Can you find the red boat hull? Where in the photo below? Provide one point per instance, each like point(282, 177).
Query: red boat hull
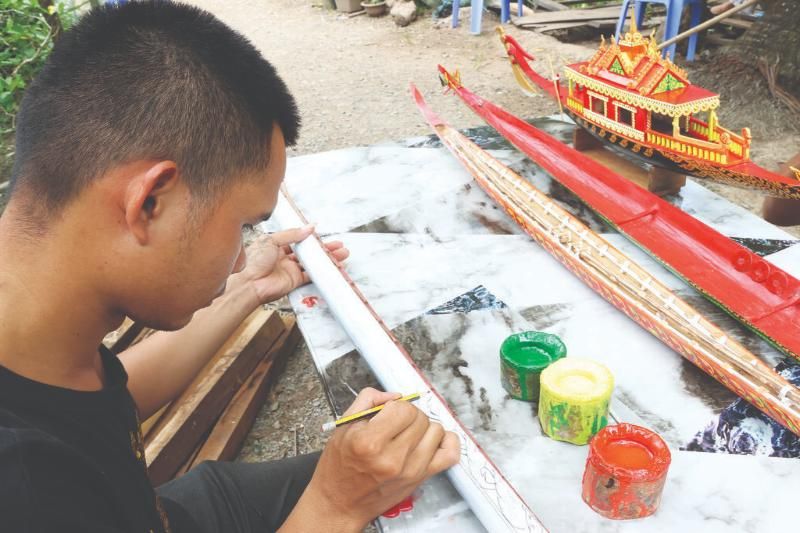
point(757, 293)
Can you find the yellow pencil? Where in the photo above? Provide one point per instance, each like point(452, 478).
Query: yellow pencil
point(328, 426)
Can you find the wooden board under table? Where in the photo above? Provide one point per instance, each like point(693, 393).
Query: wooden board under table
point(227, 436)
point(182, 426)
point(656, 180)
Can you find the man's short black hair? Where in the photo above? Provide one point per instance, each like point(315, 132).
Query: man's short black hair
point(148, 80)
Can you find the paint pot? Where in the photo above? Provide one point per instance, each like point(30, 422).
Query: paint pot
point(573, 400)
point(523, 356)
point(625, 472)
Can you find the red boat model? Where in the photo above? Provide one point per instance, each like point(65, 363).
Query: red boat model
point(631, 98)
point(759, 294)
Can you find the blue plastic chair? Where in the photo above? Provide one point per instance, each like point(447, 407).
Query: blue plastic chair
point(674, 13)
point(476, 13)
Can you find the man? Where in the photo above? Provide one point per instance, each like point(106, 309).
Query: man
point(152, 137)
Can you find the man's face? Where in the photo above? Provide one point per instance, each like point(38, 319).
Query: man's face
point(210, 250)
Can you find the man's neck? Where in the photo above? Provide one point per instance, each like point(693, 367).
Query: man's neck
point(51, 319)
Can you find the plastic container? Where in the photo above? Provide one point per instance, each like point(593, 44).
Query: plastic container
point(625, 472)
point(523, 357)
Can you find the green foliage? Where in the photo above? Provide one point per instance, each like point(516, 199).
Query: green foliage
point(27, 30)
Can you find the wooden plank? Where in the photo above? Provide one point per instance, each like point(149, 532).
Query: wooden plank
point(147, 425)
point(572, 15)
point(659, 182)
point(225, 440)
point(189, 417)
point(737, 23)
point(123, 336)
point(550, 5)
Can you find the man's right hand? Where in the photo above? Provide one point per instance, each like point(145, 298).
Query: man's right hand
point(369, 466)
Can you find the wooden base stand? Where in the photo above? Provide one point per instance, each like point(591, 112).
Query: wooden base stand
point(656, 180)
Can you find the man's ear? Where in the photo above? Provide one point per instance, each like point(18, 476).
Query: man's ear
point(145, 197)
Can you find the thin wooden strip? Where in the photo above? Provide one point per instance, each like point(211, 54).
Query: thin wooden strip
point(191, 415)
point(150, 423)
point(228, 346)
point(123, 336)
point(571, 15)
point(225, 440)
point(189, 463)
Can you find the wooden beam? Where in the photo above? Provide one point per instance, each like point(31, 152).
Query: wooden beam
point(550, 5)
point(150, 423)
point(707, 24)
point(189, 417)
point(225, 440)
point(572, 15)
point(123, 337)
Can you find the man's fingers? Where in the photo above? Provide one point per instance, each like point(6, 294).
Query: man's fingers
point(368, 398)
point(448, 454)
point(340, 254)
point(391, 421)
point(409, 439)
point(291, 236)
point(420, 458)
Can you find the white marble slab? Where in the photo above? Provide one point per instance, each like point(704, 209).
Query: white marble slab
point(422, 234)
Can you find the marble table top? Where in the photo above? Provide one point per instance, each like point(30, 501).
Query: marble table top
point(453, 275)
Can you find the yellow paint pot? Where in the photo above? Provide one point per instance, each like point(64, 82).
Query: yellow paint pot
point(573, 399)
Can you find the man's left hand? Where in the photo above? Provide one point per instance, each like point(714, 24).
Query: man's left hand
point(273, 269)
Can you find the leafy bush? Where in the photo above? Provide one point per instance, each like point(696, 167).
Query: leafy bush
point(27, 31)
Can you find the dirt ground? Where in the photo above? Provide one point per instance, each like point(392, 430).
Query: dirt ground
point(350, 77)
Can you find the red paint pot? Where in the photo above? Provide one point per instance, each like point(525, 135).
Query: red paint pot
point(625, 472)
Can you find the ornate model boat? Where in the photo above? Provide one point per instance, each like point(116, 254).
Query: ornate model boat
point(622, 282)
point(630, 97)
point(754, 291)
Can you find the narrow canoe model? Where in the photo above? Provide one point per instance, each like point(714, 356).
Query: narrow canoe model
point(752, 290)
point(624, 283)
point(631, 98)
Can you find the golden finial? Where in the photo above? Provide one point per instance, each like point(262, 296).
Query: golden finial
point(634, 29)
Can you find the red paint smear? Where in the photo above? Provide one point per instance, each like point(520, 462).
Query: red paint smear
point(625, 472)
point(310, 301)
point(402, 507)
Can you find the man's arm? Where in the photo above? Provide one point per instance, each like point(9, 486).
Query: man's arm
point(163, 365)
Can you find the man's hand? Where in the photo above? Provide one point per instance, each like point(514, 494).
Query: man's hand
point(369, 466)
point(272, 269)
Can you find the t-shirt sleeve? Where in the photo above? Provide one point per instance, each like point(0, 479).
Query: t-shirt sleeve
point(44, 488)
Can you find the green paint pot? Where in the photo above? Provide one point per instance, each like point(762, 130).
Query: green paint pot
point(523, 356)
point(574, 398)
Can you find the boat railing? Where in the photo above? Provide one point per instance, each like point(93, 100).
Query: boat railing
point(613, 125)
point(692, 147)
point(738, 145)
point(575, 104)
